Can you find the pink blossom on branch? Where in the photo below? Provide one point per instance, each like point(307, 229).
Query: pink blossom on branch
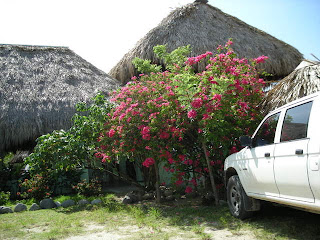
point(192, 113)
point(188, 190)
point(148, 162)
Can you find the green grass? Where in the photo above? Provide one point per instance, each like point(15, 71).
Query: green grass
point(188, 219)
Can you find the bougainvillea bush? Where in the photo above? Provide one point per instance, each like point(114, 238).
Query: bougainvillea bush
point(187, 121)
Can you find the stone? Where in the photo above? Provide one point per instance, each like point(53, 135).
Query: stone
point(223, 202)
point(83, 202)
point(20, 207)
point(58, 204)
point(68, 203)
point(127, 200)
point(192, 195)
point(34, 207)
point(170, 198)
point(5, 210)
point(168, 193)
point(148, 196)
point(47, 203)
point(208, 199)
point(96, 202)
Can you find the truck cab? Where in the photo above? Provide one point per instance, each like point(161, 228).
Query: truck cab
point(280, 162)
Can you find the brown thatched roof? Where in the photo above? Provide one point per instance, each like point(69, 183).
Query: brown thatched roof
point(39, 87)
point(204, 27)
point(303, 81)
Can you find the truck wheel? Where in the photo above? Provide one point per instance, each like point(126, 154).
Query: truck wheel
point(236, 198)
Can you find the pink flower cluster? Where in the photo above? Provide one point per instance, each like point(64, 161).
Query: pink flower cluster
point(148, 162)
point(194, 60)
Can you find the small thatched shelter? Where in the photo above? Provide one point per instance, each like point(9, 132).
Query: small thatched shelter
point(303, 81)
point(205, 27)
point(39, 87)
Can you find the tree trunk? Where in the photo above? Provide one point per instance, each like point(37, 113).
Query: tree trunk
point(158, 197)
point(213, 185)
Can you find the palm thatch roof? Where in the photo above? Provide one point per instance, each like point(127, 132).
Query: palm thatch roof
point(204, 27)
point(303, 81)
point(39, 87)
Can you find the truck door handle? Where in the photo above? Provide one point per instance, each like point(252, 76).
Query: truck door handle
point(299, 151)
point(267, 154)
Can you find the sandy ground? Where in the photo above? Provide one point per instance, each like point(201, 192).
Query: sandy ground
point(135, 232)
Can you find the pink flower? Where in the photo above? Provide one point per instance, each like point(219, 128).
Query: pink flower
point(145, 130)
point(192, 113)
point(197, 103)
point(260, 59)
point(233, 150)
point(194, 182)
point(148, 148)
point(170, 160)
point(148, 162)
point(178, 182)
point(111, 133)
point(188, 190)
point(164, 135)
point(217, 97)
point(205, 116)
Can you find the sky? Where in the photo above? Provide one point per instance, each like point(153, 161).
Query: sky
point(102, 31)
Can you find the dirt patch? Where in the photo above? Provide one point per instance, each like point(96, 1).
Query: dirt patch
point(135, 232)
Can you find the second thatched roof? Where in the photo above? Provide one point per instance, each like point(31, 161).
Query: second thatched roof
point(205, 27)
point(303, 81)
point(39, 88)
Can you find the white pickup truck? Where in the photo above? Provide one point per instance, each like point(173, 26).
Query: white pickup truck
point(280, 162)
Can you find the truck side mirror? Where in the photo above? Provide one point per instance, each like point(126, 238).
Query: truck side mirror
point(245, 141)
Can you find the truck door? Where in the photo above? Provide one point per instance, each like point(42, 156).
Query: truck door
point(259, 161)
point(291, 155)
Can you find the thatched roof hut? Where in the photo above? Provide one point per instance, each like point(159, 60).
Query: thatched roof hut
point(205, 27)
point(303, 81)
point(39, 87)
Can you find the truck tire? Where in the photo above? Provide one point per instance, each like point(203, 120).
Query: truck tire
point(236, 197)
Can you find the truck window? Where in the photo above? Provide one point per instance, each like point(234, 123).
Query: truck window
point(267, 131)
point(295, 125)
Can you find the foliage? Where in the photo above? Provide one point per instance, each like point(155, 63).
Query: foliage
point(37, 187)
point(91, 188)
point(60, 154)
point(65, 150)
point(10, 171)
point(189, 121)
point(4, 197)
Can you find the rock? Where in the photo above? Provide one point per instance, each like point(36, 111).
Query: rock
point(168, 193)
point(223, 202)
point(148, 196)
point(170, 198)
point(83, 202)
point(58, 204)
point(68, 203)
point(192, 195)
point(96, 202)
point(127, 200)
point(5, 210)
point(208, 199)
point(20, 207)
point(34, 207)
point(47, 203)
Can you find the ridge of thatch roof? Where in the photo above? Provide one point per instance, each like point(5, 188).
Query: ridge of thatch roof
point(39, 88)
point(204, 27)
point(301, 82)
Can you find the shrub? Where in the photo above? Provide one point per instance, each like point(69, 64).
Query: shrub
point(91, 188)
point(4, 197)
point(37, 187)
